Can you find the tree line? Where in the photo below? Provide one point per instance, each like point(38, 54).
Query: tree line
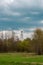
point(34, 45)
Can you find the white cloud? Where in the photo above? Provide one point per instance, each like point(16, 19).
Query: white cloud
point(22, 3)
point(29, 3)
point(41, 4)
point(13, 13)
point(25, 34)
point(7, 5)
point(28, 35)
point(26, 18)
point(6, 2)
point(33, 29)
point(4, 18)
point(30, 29)
point(34, 13)
point(41, 22)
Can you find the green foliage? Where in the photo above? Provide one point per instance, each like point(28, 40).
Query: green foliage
point(37, 41)
point(27, 45)
point(24, 45)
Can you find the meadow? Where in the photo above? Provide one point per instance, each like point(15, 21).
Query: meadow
point(20, 59)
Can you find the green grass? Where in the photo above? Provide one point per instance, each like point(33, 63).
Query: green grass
point(19, 59)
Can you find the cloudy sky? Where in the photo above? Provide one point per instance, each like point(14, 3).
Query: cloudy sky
point(21, 14)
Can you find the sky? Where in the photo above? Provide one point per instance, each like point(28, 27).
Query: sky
point(21, 14)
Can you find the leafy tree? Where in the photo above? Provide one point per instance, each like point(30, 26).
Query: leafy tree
point(38, 41)
point(24, 45)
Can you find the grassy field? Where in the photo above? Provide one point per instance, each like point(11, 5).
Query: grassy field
point(20, 59)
